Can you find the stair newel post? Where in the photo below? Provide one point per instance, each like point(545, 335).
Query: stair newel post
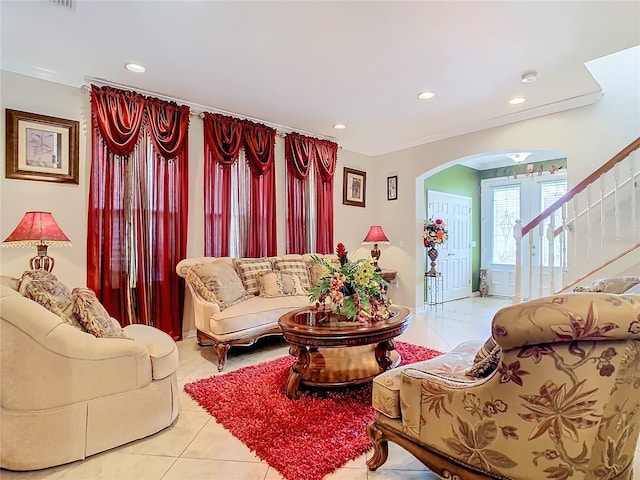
point(551, 254)
point(517, 234)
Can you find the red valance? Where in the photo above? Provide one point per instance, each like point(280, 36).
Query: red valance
point(223, 135)
point(259, 145)
point(297, 152)
point(169, 125)
point(118, 114)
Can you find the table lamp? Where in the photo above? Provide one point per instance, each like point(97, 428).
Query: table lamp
point(40, 230)
point(376, 235)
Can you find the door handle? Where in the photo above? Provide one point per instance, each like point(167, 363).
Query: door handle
point(450, 254)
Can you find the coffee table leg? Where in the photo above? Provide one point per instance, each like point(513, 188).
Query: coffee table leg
point(297, 370)
point(382, 353)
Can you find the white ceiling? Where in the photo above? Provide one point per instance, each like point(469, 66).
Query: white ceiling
point(309, 65)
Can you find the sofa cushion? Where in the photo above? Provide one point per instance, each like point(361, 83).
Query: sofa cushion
point(254, 312)
point(292, 284)
point(296, 266)
point(93, 316)
point(163, 351)
point(611, 285)
point(217, 282)
point(248, 270)
point(45, 289)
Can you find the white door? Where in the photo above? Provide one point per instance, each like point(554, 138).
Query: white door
point(454, 257)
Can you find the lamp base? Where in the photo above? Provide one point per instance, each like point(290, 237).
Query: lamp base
point(375, 255)
point(42, 261)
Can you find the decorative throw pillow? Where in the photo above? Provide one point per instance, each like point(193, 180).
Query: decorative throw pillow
point(217, 282)
point(93, 316)
point(486, 360)
point(248, 270)
point(45, 289)
point(279, 284)
point(317, 270)
point(269, 284)
point(291, 284)
point(297, 267)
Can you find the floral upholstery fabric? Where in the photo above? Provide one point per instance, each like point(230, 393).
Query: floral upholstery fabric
point(386, 386)
point(44, 288)
point(564, 402)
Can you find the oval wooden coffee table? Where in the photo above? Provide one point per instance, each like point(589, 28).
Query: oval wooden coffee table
point(332, 352)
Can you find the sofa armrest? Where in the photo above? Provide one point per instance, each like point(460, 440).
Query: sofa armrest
point(203, 309)
point(566, 317)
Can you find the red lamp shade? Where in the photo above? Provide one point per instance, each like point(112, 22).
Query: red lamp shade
point(376, 235)
point(38, 229)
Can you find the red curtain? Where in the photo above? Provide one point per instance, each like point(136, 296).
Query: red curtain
point(259, 145)
point(300, 153)
point(297, 152)
point(138, 207)
point(222, 142)
point(325, 159)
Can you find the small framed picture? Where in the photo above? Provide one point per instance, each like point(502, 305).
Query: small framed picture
point(354, 190)
point(392, 188)
point(41, 148)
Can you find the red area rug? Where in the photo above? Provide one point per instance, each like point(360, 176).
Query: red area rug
point(302, 439)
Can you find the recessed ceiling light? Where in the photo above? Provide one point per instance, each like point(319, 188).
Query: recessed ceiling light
point(134, 67)
point(529, 77)
point(339, 126)
point(516, 100)
point(426, 95)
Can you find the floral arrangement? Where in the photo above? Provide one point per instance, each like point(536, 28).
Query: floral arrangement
point(354, 290)
point(434, 233)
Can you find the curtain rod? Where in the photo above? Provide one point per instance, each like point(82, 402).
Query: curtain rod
point(200, 109)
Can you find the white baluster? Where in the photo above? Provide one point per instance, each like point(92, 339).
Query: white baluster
point(588, 195)
point(616, 198)
point(634, 208)
point(517, 234)
point(550, 267)
point(540, 229)
point(603, 215)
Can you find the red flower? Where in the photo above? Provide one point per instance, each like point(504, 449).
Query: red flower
point(340, 250)
point(438, 221)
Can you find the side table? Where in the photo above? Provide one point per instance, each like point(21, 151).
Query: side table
point(433, 289)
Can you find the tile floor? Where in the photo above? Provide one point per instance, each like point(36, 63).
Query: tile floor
point(195, 447)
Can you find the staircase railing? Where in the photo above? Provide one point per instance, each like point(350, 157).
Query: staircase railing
point(594, 224)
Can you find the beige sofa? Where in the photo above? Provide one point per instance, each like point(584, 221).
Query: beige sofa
point(253, 315)
point(558, 395)
point(67, 394)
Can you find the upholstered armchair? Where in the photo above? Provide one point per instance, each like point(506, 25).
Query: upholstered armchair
point(556, 396)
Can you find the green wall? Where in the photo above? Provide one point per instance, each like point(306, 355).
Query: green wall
point(465, 181)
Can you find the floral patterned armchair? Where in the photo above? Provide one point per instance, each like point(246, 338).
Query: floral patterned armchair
point(562, 400)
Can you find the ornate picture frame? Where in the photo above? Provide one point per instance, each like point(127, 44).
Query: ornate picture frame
point(42, 148)
point(392, 187)
point(354, 187)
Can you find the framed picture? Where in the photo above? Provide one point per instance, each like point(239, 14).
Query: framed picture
point(392, 188)
point(41, 148)
point(354, 190)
